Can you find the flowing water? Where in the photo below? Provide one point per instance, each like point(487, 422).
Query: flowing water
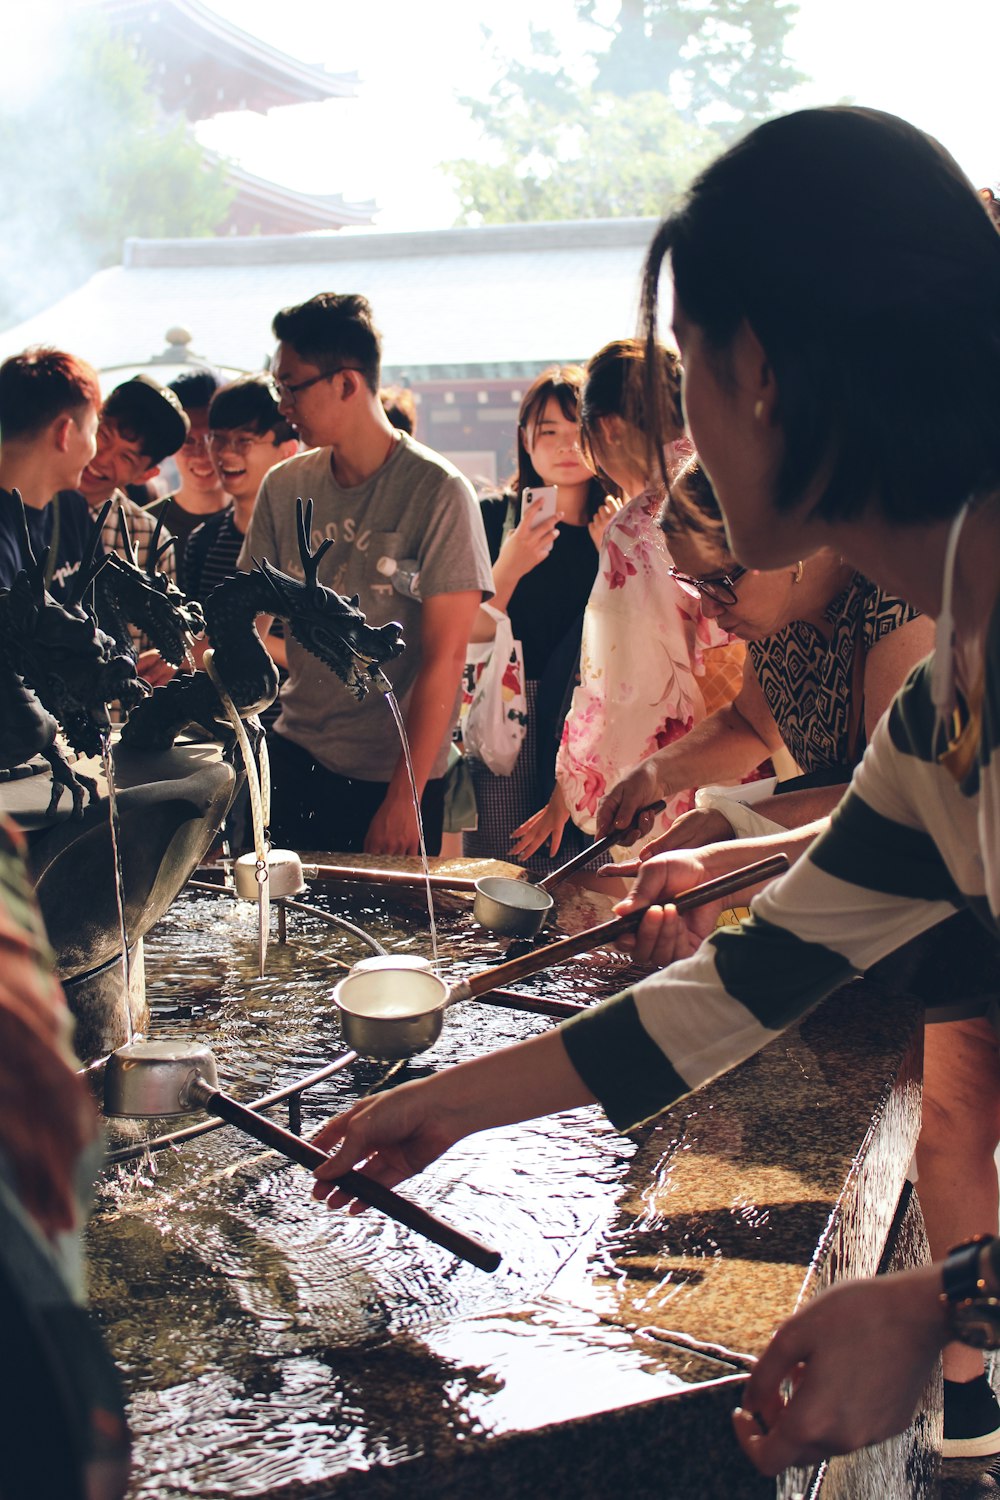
point(268, 1344)
point(119, 878)
point(390, 698)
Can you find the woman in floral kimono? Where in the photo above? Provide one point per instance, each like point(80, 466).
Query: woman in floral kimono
point(651, 664)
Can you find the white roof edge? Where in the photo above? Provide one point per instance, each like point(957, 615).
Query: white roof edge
point(244, 250)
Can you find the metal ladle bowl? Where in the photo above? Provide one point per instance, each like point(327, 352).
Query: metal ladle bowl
point(164, 1078)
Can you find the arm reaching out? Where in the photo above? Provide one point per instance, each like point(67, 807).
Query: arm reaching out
point(399, 1132)
point(857, 1358)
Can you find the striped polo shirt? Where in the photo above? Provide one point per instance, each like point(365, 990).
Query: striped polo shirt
point(908, 846)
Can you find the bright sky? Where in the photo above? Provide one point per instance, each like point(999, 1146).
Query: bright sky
point(935, 65)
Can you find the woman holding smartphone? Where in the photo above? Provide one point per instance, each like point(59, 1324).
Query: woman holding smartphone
point(544, 563)
point(652, 663)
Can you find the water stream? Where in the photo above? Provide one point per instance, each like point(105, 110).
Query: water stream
point(119, 877)
point(390, 698)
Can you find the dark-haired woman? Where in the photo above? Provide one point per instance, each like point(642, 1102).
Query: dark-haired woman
point(804, 319)
point(652, 664)
point(542, 577)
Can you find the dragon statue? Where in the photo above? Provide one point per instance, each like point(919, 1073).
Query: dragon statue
point(58, 668)
point(330, 627)
point(126, 594)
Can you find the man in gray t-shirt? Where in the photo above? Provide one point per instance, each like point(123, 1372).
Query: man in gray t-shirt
point(339, 779)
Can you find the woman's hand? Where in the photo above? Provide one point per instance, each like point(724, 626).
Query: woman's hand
point(599, 525)
point(528, 545)
point(858, 1358)
point(391, 1136)
point(692, 830)
point(663, 936)
point(620, 808)
point(546, 824)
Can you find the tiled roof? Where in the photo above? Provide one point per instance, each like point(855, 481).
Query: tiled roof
point(204, 64)
point(508, 295)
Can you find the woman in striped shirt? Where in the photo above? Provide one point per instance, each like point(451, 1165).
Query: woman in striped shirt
point(817, 267)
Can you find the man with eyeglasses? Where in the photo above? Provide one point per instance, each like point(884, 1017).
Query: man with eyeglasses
point(247, 436)
point(141, 424)
point(339, 779)
point(200, 493)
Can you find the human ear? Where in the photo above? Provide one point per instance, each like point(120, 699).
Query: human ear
point(754, 374)
point(61, 433)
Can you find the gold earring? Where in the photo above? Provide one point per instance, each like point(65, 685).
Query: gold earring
point(758, 410)
point(797, 575)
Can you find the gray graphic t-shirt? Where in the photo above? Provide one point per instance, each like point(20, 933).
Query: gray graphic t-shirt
point(416, 507)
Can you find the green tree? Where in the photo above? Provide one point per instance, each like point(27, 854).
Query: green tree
point(597, 157)
point(670, 83)
point(87, 161)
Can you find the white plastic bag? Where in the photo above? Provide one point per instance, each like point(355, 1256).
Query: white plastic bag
point(493, 725)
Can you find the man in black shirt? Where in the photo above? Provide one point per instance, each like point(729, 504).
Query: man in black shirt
point(49, 403)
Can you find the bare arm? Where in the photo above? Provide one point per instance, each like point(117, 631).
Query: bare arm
point(523, 549)
point(890, 661)
point(857, 1359)
point(723, 747)
point(399, 1132)
point(446, 621)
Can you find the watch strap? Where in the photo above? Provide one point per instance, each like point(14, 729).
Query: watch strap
point(960, 1277)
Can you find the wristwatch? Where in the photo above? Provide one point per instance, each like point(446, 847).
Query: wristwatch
point(973, 1312)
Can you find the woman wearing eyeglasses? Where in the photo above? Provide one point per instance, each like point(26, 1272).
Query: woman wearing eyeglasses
point(652, 663)
point(826, 652)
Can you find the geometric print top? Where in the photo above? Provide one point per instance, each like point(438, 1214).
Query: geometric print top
point(807, 679)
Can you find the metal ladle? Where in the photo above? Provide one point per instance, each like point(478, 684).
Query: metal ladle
point(389, 1014)
point(161, 1078)
point(517, 908)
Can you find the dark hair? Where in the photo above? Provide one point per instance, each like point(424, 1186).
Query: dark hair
point(617, 382)
point(149, 414)
point(334, 332)
point(561, 383)
point(400, 407)
point(40, 385)
point(853, 245)
point(691, 506)
point(250, 401)
point(195, 388)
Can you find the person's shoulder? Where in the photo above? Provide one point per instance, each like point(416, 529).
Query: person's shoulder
point(416, 456)
point(291, 470)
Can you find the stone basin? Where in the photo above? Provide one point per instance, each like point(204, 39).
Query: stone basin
point(273, 1349)
point(170, 806)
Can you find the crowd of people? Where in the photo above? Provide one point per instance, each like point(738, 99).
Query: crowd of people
point(747, 546)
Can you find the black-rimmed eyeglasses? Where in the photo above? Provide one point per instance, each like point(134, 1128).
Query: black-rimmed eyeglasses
point(288, 392)
point(721, 588)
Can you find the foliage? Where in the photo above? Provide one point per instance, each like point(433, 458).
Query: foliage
point(598, 158)
point(671, 83)
point(87, 161)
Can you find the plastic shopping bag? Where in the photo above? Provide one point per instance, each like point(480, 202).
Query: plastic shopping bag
point(493, 728)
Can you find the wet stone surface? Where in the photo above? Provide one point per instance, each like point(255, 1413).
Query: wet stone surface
point(271, 1348)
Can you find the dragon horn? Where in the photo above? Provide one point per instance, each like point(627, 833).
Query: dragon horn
point(34, 566)
point(125, 537)
point(155, 550)
point(310, 560)
point(273, 580)
point(89, 569)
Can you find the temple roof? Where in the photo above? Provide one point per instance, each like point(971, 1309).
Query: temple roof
point(264, 207)
point(500, 300)
point(203, 65)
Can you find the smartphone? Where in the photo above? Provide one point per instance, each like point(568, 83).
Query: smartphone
point(541, 503)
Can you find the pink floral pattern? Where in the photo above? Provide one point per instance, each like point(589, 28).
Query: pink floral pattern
point(642, 653)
